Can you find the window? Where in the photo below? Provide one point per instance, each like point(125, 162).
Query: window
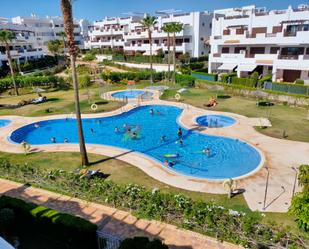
point(274, 50)
point(202, 53)
point(238, 49)
point(307, 51)
point(203, 24)
point(202, 38)
point(187, 40)
point(225, 50)
point(257, 50)
point(210, 25)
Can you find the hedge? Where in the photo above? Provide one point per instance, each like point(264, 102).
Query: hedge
point(138, 75)
point(29, 81)
point(245, 228)
point(225, 77)
point(243, 81)
point(72, 231)
point(185, 80)
point(137, 58)
point(205, 76)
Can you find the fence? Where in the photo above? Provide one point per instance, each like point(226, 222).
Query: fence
point(108, 241)
point(204, 76)
point(287, 88)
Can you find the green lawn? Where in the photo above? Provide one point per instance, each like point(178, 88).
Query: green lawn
point(291, 120)
point(58, 102)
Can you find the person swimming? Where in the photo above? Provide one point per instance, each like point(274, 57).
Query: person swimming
point(151, 111)
point(169, 164)
point(116, 130)
point(66, 140)
point(179, 133)
point(53, 140)
point(206, 151)
point(163, 138)
point(36, 125)
point(180, 142)
point(91, 130)
point(158, 113)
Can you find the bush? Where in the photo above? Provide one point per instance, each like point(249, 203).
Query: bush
point(300, 202)
point(299, 82)
point(137, 76)
point(142, 243)
point(84, 81)
point(73, 231)
point(185, 80)
point(244, 81)
point(236, 226)
point(89, 57)
point(29, 81)
point(225, 77)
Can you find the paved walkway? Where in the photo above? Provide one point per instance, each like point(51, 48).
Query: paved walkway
point(278, 155)
point(113, 221)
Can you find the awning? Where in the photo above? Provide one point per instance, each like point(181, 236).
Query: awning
point(246, 67)
point(227, 66)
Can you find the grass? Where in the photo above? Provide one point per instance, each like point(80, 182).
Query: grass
point(123, 173)
point(58, 102)
point(285, 119)
point(118, 171)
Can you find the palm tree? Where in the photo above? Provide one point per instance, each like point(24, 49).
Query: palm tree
point(148, 23)
point(66, 7)
point(176, 27)
point(6, 38)
point(167, 29)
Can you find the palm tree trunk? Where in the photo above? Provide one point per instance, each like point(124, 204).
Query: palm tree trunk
point(8, 54)
point(66, 8)
point(174, 57)
point(168, 57)
point(81, 139)
point(150, 53)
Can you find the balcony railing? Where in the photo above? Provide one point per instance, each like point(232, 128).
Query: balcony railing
point(288, 57)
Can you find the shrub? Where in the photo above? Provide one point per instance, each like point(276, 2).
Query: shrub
point(244, 81)
point(84, 80)
point(89, 57)
point(73, 231)
point(185, 80)
point(29, 81)
point(300, 202)
point(225, 77)
point(299, 82)
point(208, 218)
point(137, 75)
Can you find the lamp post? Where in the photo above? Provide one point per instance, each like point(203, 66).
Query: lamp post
point(295, 179)
point(266, 188)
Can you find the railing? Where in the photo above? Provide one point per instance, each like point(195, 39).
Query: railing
point(108, 241)
point(288, 57)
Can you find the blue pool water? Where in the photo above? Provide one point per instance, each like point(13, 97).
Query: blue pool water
point(4, 122)
point(131, 94)
point(228, 157)
point(215, 121)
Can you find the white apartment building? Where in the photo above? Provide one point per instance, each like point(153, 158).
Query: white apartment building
point(24, 47)
point(49, 28)
point(249, 38)
point(129, 35)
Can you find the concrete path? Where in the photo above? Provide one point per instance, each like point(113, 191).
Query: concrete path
point(113, 221)
point(278, 156)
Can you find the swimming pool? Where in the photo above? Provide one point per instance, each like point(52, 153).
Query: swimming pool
point(131, 94)
point(228, 157)
point(215, 121)
point(4, 122)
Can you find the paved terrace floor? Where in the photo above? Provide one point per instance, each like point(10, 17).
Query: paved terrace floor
point(113, 221)
point(279, 156)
